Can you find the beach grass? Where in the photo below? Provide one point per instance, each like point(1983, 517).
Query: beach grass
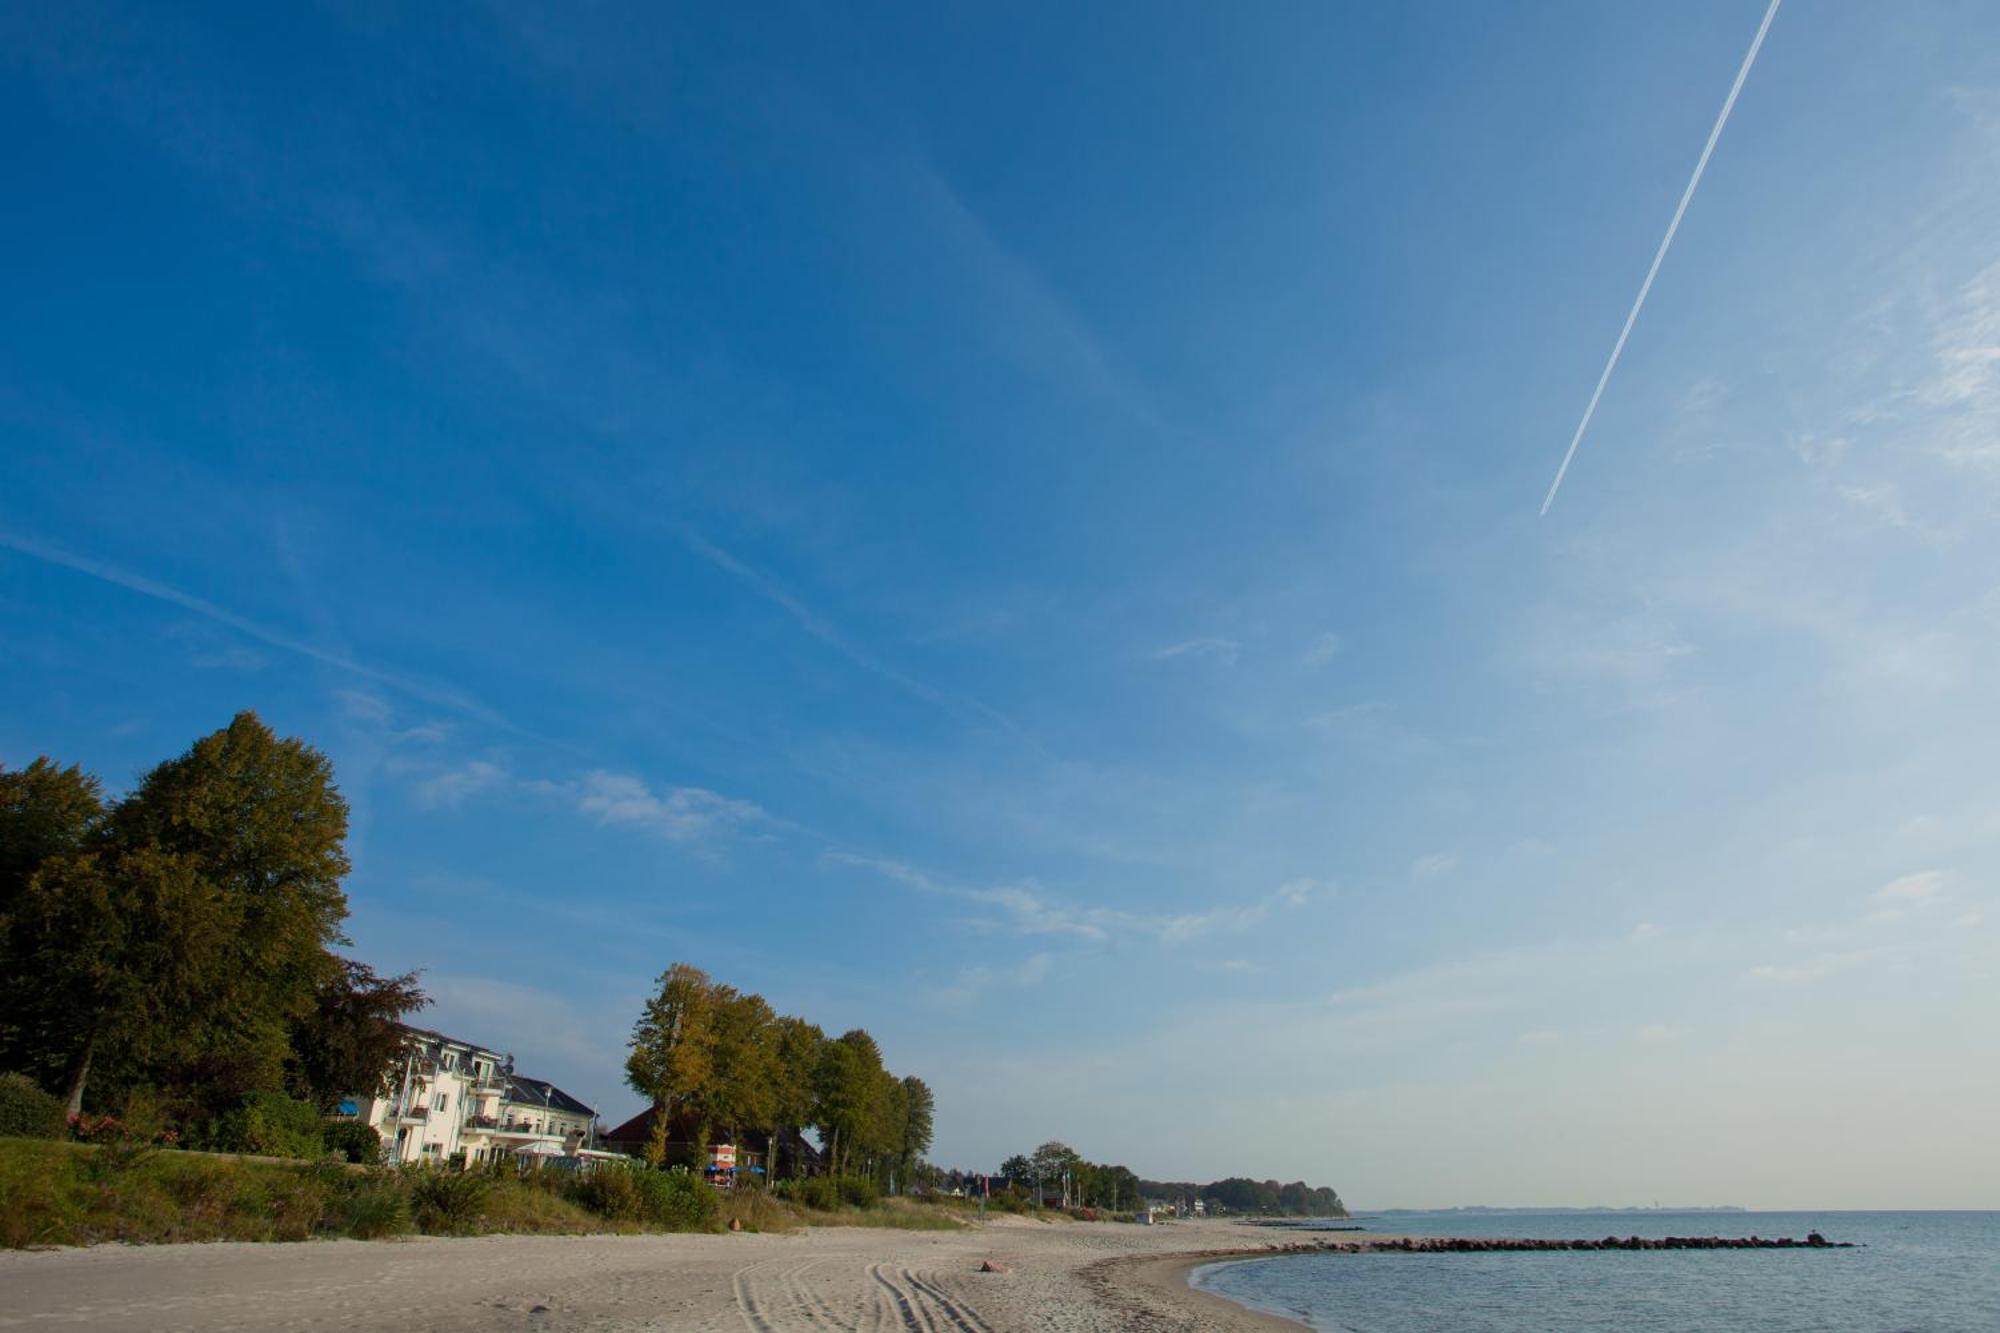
point(56, 1193)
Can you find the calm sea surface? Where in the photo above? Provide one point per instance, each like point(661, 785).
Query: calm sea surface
point(1917, 1273)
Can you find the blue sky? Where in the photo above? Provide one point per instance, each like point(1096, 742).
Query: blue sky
point(1016, 529)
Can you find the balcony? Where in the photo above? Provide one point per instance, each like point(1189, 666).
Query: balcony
point(482, 1122)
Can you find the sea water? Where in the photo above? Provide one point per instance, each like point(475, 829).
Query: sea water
point(1915, 1272)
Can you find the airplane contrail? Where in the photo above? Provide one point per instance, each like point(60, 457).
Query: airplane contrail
point(162, 592)
point(1708, 149)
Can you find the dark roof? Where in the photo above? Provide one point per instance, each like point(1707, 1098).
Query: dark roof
point(682, 1129)
point(540, 1092)
point(435, 1035)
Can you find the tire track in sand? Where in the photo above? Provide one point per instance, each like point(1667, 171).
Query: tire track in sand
point(811, 1305)
point(962, 1317)
point(901, 1304)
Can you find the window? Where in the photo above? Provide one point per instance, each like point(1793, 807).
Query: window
point(443, 1101)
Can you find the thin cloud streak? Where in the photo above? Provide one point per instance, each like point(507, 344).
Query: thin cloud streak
point(161, 592)
point(1618, 348)
point(820, 628)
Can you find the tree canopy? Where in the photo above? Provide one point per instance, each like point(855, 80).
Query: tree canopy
point(182, 938)
point(724, 1061)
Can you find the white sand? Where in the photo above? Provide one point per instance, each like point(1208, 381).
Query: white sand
point(1066, 1277)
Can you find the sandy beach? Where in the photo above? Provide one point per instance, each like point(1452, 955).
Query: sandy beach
point(1065, 1277)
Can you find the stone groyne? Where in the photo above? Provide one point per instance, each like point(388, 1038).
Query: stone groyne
point(1483, 1245)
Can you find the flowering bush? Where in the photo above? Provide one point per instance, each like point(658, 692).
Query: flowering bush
point(109, 1129)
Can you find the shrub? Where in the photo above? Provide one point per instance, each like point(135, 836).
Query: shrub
point(525, 1205)
point(26, 1112)
point(609, 1191)
point(269, 1124)
point(819, 1193)
point(375, 1208)
point(148, 1118)
point(673, 1200)
point(447, 1202)
point(352, 1141)
point(829, 1194)
point(676, 1200)
point(755, 1210)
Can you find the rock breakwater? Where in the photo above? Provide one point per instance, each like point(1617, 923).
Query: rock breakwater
point(1484, 1245)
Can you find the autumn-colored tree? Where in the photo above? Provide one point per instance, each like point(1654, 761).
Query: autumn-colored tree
point(672, 1049)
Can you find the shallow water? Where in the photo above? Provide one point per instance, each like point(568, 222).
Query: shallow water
point(1915, 1273)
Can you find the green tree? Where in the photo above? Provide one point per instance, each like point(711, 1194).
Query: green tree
point(848, 1092)
point(48, 815)
point(741, 1094)
point(46, 811)
point(246, 831)
point(919, 1111)
point(796, 1046)
point(1052, 1163)
point(672, 1049)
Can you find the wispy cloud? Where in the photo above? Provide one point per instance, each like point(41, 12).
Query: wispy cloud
point(1818, 967)
point(209, 650)
point(1323, 650)
point(1433, 865)
point(363, 706)
point(689, 816)
point(161, 592)
point(678, 814)
point(1027, 909)
point(450, 788)
point(1965, 382)
point(1223, 650)
point(1029, 319)
point(1924, 886)
point(819, 627)
point(972, 982)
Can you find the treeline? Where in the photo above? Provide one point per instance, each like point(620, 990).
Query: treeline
point(713, 1060)
point(174, 949)
point(1238, 1194)
point(1056, 1171)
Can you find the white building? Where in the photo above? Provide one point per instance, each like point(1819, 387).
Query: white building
point(452, 1101)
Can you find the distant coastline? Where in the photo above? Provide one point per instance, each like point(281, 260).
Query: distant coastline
point(1548, 1210)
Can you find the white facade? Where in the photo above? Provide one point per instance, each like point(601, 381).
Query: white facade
point(452, 1102)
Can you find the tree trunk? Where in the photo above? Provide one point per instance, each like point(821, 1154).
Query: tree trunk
point(78, 1076)
point(656, 1139)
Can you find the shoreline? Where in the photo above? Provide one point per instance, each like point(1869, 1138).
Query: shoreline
point(1007, 1273)
point(1141, 1284)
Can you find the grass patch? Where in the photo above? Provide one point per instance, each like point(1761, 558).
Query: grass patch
point(900, 1214)
point(57, 1193)
point(757, 1210)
